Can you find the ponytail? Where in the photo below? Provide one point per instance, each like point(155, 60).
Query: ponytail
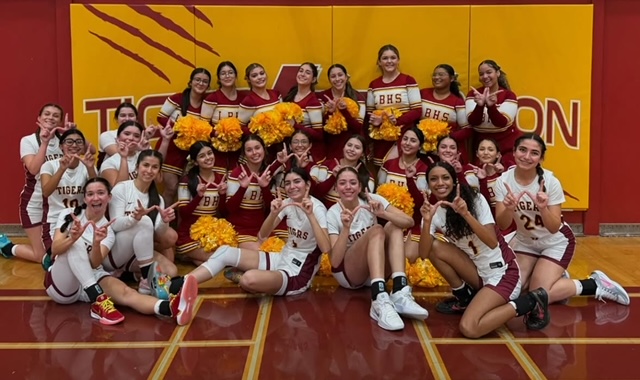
point(69, 218)
point(540, 176)
point(186, 101)
point(154, 200)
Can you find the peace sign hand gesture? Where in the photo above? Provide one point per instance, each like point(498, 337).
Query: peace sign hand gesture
point(541, 198)
point(264, 179)
point(511, 200)
point(346, 215)
point(427, 210)
point(283, 156)
point(478, 97)
point(330, 104)
point(374, 206)
point(491, 98)
point(410, 170)
point(244, 178)
point(307, 204)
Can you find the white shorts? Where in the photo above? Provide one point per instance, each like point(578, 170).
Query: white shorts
point(558, 248)
point(507, 283)
point(69, 296)
point(297, 272)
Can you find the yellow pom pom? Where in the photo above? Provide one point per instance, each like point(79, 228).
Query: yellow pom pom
point(190, 129)
point(228, 135)
point(387, 131)
point(398, 196)
point(325, 266)
point(433, 130)
point(423, 274)
point(336, 123)
point(213, 232)
point(273, 244)
point(271, 126)
point(290, 111)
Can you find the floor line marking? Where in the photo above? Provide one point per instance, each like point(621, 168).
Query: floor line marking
point(217, 343)
point(164, 362)
point(254, 357)
point(521, 355)
point(80, 345)
point(431, 353)
point(25, 298)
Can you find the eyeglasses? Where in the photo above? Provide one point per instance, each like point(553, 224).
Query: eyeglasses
point(299, 142)
point(227, 74)
point(69, 142)
point(199, 81)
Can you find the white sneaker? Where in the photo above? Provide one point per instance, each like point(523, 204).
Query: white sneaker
point(385, 314)
point(609, 289)
point(406, 305)
point(144, 287)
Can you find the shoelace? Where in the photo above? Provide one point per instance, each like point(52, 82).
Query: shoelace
point(107, 305)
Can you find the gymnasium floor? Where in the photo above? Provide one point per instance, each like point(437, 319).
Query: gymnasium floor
point(323, 334)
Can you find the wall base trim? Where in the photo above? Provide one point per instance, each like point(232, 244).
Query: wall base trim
point(619, 229)
point(12, 230)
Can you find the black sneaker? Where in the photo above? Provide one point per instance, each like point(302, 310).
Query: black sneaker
point(451, 306)
point(539, 317)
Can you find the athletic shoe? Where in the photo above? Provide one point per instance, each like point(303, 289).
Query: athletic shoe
point(104, 311)
point(406, 305)
point(4, 242)
point(383, 312)
point(609, 289)
point(47, 261)
point(539, 317)
point(144, 287)
point(451, 306)
point(182, 303)
point(233, 274)
point(159, 282)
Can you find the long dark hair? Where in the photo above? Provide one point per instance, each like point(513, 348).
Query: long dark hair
point(254, 137)
point(194, 172)
point(363, 173)
point(186, 94)
point(454, 87)
point(69, 132)
point(455, 224)
point(294, 90)
point(349, 91)
point(78, 209)
point(543, 150)
point(130, 123)
point(249, 69)
point(502, 79)
point(126, 105)
point(154, 196)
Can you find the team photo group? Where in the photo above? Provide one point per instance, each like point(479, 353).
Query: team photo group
point(258, 185)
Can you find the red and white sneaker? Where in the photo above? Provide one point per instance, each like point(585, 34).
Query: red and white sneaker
point(104, 311)
point(182, 303)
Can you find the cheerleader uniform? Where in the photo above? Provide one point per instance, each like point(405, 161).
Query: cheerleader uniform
point(403, 94)
point(216, 107)
point(334, 143)
point(451, 110)
point(176, 158)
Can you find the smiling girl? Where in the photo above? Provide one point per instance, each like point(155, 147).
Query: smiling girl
point(492, 109)
point(260, 99)
point(532, 197)
point(82, 240)
point(392, 89)
point(445, 102)
point(290, 271)
point(182, 104)
point(303, 94)
point(360, 247)
point(333, 99)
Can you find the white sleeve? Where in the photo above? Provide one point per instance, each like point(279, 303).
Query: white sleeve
point(382, 176)
point(554, 190)
point(117, 208)
point(48, 168)
point(110, 240)
point(483, 211)
point(107, 138)
point(461, 116)
point(320, 212)
point(159, 224)
point(334, 224)
point(27, 146)
point(381, 199)
point(320, 173)
point(232, 187)
point(470, 105)
point(421, 181)
point(110, 163)
point(499, 189)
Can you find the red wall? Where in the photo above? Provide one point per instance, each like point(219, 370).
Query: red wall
point(37, 70)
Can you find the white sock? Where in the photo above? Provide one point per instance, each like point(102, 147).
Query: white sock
point(156, 307)
point(514, 305)
point(14, 249)
point(578, 285)
point(398, 274)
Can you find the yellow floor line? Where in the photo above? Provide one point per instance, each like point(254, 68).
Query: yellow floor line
point(521, 355)
point(217, 343)
point(164, 361)
point(430, 351)
point(254, 357)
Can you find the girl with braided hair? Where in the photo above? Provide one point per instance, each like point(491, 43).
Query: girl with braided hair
point(544, 244)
